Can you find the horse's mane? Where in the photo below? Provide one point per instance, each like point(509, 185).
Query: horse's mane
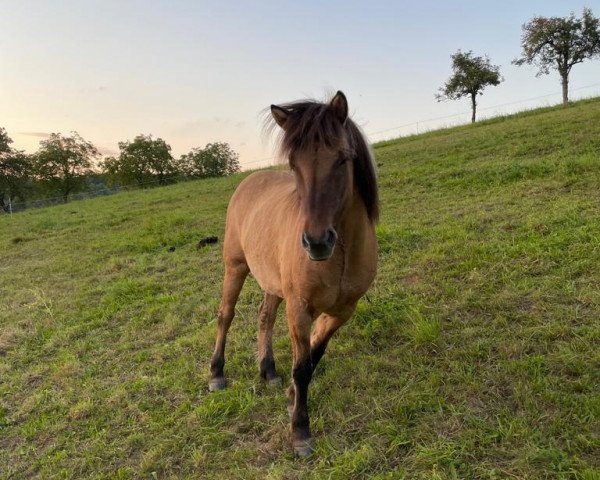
point(311, 124)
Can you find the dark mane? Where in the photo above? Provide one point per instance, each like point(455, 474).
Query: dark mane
point(312, 124)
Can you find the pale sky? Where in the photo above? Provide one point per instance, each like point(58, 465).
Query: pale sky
point(194, 72)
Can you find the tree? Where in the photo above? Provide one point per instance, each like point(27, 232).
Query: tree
point(559, 43)
point(15, 178)
point(470, 76)
point(5, 141)
point(214, 160)
point(62, 163)
point(141, 161)
point(15, 172)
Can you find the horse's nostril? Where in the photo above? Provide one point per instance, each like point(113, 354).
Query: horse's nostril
point(322, 248)
point(331, 236)
point(305, 242)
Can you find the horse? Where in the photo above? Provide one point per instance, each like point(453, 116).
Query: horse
point(307, 235)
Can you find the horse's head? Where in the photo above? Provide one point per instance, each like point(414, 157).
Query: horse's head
point(320, 153)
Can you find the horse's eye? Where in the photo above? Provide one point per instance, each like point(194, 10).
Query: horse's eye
point(342, 161)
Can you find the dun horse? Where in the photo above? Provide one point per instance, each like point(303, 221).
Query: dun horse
point(307, 236)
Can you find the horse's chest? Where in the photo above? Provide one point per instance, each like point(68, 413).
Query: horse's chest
point(339, 285)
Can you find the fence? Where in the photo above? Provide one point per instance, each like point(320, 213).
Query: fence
point(407, 129)
point(485, 113)
point(99, 192)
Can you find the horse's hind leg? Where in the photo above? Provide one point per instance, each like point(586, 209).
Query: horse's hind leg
point(266, 320)
point(235, 274)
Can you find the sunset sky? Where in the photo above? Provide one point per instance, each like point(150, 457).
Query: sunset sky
point(194, 72)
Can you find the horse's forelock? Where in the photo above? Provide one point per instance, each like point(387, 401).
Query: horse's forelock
point(309, 124)
point(312, 124)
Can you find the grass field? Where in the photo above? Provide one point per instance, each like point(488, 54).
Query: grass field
point(475, 355)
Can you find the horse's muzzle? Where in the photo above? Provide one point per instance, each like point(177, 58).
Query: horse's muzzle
point(322, 248)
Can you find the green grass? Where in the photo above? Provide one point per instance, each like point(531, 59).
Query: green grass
point(475, 355)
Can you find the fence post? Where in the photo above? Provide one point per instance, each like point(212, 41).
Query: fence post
point(9, 205)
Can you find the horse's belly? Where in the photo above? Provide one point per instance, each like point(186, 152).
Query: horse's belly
point(265, 272)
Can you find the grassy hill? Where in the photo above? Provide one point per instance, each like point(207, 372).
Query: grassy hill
point(476, 354)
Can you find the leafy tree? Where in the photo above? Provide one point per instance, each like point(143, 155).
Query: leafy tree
point(141, 161)
point(214, 160)
point(5, 141)
point(62, 163)
point(559, 43)
point(471, 74)
point(15, 172)
point(15, 178)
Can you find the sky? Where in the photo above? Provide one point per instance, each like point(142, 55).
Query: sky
point(195, 72)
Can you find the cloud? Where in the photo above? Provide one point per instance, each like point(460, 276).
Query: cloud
point(107, 151)
point(210, 127)
point(92, 90)
point(35, 134)
point(103, 150)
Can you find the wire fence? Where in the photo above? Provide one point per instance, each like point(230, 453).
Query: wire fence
point(97, 192)
point(407, 129)
point(484, 113)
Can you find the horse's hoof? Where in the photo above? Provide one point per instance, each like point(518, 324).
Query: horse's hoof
point(216, 384)
point(274, 382)
point(304, 448)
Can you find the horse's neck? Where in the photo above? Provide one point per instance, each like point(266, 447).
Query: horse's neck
point(358, 246)
point(354, 223)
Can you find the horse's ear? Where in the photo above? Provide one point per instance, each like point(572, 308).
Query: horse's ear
point(339, 105)
point(280, 115)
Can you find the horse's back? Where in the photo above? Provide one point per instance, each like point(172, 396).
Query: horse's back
point(257, 195)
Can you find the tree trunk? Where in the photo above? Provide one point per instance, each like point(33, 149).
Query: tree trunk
point(473, 106)
point(67, 186)
point(565, 88)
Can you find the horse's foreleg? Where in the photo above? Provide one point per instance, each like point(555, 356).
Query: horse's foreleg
point(325, 326)
point(266, 320)
point(232, 285)
point(299, 323)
